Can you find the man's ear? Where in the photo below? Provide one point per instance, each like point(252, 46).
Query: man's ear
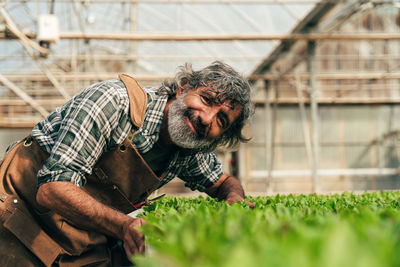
point(181, 89)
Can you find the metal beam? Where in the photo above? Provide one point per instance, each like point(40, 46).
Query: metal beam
point(82, 76)
point(272, 135)
point(53, 80)
point(254, 57)
point(192, 1)
point(310, 20)
point(269, 131)
point(26, 42)
point(121, 57)
point(303, 116)
point(88, 76)
point(230, 37)
point(227, 37)
point(281, 101)
point(331, 76)
point(314, 116)
point(40, 102)
point(27, 98)
point(12, 123)
point(246, 17)
point(28, 45)
point(258, 175)
point(215, 26)
point(334, 100)
point(291, 13)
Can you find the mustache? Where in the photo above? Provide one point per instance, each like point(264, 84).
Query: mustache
point(198, 125)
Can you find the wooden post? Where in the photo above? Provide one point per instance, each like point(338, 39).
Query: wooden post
point(74, 64)
point(306, 130)
point(133, 28)
point(268, 137)
point(271, 138)
point(314, 115)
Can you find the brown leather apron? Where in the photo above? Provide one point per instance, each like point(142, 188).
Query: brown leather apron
point(33, 236)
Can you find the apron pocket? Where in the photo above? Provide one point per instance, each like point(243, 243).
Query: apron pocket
point(25, 228)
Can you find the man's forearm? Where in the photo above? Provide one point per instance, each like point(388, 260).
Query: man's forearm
point(229, 186)
point(80, 208)
point(84, 211)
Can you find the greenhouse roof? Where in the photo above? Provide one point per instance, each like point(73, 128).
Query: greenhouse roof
point(112, 19)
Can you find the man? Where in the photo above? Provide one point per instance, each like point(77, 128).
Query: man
point(108, 148)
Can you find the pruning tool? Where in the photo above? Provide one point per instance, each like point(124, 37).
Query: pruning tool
point(147, 202)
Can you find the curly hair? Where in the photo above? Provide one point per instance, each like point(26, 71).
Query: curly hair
point(228, 84)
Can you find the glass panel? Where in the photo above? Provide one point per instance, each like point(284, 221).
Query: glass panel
point(291, 158)
point(257, 158)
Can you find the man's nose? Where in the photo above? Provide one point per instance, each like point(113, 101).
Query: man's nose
point(208, 115)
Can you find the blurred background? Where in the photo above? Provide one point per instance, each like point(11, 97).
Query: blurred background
point(325, 77)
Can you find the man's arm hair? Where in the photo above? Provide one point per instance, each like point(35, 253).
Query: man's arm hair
point(71, 202)
point(225, 187)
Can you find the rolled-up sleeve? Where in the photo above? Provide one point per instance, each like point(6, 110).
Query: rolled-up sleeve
point(87, 128)
point(201, 172)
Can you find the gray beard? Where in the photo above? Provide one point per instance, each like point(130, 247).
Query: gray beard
point(179, 131)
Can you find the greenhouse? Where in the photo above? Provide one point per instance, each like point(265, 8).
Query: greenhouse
point(319, 174)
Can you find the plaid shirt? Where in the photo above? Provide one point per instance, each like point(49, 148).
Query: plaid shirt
point(97, 120)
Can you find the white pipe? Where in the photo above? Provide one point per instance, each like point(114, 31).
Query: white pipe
point(326, 172)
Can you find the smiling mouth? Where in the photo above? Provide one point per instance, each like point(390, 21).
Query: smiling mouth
point(191, 126)
point(198, 130)
point(195, 125)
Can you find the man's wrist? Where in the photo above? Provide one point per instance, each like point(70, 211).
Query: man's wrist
point(235, 194)
point(234, 197)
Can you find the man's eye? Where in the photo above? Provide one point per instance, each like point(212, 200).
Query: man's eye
point(206, 99)
point(222, 122)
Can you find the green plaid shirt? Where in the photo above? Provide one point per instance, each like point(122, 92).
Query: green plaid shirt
point(97, 120)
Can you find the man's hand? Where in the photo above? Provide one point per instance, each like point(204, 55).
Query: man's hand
point(234, 197)
point(133, 239)
point(83, 210)
point(229, 189)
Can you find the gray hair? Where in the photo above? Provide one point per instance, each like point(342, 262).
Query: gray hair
point(228, 84)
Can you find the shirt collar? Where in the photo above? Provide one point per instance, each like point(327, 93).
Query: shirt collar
point(147, 135)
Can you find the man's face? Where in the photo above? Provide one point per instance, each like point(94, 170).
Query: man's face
point(196, 118)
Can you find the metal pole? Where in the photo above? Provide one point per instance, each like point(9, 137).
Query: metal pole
point(133, 28)
point(268, 137)
point(271, 139)
point(224, 37)
point(27, 98)
point(314, 115)
point(306, 131)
